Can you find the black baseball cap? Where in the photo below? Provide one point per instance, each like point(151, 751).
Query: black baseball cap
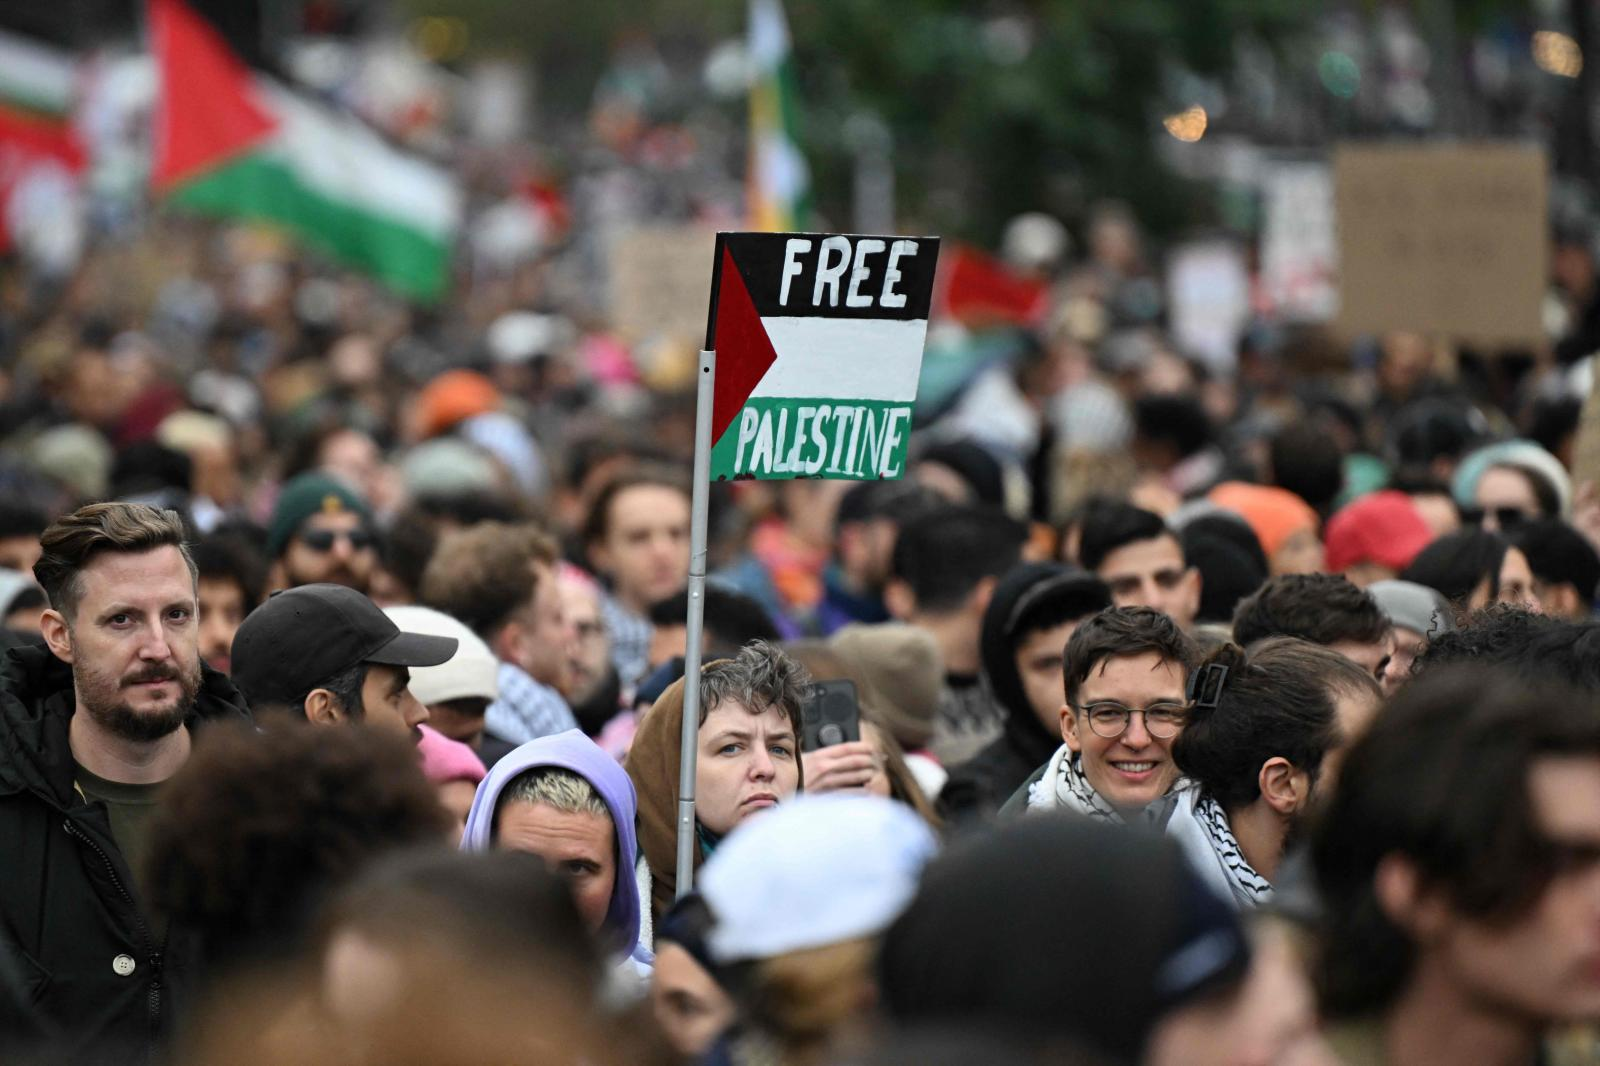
point(302, 637)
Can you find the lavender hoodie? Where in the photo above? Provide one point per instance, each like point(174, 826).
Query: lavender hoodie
point(573, 751)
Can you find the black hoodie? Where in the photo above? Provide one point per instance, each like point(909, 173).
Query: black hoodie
point(1029, 597)
point(94, 976)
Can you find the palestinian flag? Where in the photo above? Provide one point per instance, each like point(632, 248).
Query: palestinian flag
point(778, 185)
point(41, 157)
point(819, 351)
point(233, 143)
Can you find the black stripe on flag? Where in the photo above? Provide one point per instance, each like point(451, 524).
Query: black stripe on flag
point(814, 275)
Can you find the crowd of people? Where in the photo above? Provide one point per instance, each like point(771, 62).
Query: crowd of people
point(1189, 716)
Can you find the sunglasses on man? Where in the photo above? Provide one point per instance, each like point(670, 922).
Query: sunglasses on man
point(322, 540)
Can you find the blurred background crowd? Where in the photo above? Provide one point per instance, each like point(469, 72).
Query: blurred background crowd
point(1169, 408)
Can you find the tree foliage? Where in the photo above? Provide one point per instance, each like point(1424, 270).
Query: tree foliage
point(994, 107)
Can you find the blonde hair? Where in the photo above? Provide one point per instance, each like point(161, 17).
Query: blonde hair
point(553, 786)
point(802, 999)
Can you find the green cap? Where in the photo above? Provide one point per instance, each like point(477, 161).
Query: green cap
point(305, 496)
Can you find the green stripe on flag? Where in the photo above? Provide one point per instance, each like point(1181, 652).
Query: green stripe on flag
point(782, 437)
point(413, 262)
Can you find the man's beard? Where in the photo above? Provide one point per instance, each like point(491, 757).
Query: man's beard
point(597, 702)
point(102, 700)
point(336, 575)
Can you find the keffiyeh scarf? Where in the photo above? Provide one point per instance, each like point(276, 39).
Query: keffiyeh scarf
point(1063, 787)
point(1201, 826)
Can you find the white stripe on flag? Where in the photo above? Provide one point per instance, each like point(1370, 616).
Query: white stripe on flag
point(844, 358)
point(341, 159)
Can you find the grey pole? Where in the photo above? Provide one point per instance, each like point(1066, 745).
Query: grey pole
point(700, 502)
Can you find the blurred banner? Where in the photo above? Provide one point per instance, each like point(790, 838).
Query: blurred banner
point(1299, 257)
point(1450, 240)
point(1208, 301)
point(659, 286)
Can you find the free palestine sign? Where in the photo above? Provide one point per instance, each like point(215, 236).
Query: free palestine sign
point(819, 347)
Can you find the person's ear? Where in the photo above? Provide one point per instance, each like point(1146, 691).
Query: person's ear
point(57, 634)
point(1285, 787)
point(599, 557)
point(1397, 886)
point(1193, 585)
point(897, 597)
point(507, 642)
point(323, 709)
point(982, 593)
point(277, 576)
point(1069, 727)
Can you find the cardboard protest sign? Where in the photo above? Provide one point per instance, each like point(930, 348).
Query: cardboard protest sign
point(653, 293)
point(819, 347)
point(1443, 239)
point(1586, 449)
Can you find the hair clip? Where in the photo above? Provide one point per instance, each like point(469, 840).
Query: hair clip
point(1205, 685)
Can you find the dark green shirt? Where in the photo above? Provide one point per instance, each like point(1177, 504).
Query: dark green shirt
point(129, 808)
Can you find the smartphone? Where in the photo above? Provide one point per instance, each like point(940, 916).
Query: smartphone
point(831, 714)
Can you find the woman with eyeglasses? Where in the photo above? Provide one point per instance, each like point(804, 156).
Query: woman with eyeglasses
point(1263, 738)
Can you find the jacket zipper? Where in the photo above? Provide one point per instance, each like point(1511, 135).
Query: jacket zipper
point(154, 997)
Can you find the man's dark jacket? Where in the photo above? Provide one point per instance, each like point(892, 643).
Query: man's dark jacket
point(980, 786)
point(68, 904)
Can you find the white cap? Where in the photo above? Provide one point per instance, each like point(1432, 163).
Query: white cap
point(814, 871)
point(520, 336)
point(472, 671)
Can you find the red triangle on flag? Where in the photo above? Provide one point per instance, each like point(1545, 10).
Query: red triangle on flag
point(744, 351)
point(207, 111)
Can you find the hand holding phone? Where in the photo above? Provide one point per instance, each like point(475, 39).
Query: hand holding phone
point(849, 765)
point(830, 714)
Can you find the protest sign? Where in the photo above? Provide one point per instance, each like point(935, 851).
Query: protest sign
point(1449, 240)
point(1299, 256)
point(818, 341)
point(1208, 301)
point(657, 286)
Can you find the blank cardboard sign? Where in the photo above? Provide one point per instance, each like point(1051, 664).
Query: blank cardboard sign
point(1449, 240)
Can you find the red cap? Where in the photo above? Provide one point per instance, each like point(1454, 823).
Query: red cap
point(1381, 527)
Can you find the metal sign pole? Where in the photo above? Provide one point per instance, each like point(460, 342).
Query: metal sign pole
point(700, 502)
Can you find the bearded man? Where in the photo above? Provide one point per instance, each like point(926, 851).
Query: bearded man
point(94, 723)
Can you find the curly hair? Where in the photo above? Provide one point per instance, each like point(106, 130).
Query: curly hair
point(484, 574)
point(258, 827)
point(758, 677)
point(1321, 608)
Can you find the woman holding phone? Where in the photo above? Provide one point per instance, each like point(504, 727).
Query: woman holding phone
point(748, 756)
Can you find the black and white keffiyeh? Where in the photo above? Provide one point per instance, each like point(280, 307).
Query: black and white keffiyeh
point(1200, 825)
point(1065, 788)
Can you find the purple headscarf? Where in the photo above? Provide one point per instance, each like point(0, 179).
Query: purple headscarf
point(572, 751)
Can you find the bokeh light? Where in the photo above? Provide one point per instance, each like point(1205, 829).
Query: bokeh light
point(1340, 74)
point(1557, 54)
point(440, 38)
point(1188, 125)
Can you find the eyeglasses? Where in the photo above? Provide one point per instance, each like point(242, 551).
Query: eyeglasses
point(1506, 517)
point(1564, 857)
point(1110, 719)
point(321, 540)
